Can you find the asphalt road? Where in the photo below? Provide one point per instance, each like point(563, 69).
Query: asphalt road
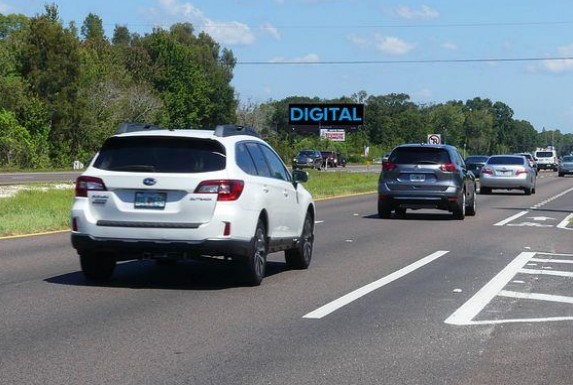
point(7, 178)
point(423, 299)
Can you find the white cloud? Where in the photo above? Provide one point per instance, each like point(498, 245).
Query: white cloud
point(271, 30)
point(449, 45)
point(228, 32)
point(359, 41)
point(424, 93)
point(309, 58)
point(558, 66)
point(424, 12)
point(392, 45)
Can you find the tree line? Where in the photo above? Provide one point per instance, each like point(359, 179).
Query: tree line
point(67, 88)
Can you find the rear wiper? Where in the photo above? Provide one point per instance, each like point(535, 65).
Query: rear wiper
point(134, 167)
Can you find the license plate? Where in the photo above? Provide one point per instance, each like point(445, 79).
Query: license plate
point(417, 177)
point(504, 172)
point(150, 200)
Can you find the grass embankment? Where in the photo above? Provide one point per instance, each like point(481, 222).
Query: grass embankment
point(42, 208)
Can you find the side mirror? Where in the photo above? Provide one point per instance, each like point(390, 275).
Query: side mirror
point(299, 176)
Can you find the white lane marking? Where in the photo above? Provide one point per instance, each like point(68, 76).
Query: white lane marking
point(535, 207)
point(466, 313)
point(539, 297)
point(318, 222)
point(567, 274)
point(520, 320)
point(358, 293)
point(552, 260)
point(565, 222)
point(507, 220)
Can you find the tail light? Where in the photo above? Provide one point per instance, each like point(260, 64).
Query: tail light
point(388, 166)
point(520, 171)
point(226, 189)
point(88, 183)
point(486, 170)
point(449, 167)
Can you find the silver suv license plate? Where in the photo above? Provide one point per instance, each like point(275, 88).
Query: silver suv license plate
point(417, 177)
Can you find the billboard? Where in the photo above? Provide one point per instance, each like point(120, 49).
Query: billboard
point(318, 115)
point(336, 135)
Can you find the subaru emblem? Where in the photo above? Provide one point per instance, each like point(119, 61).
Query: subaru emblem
point(149, 181)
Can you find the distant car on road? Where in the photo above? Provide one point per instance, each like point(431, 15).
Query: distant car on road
point(308, 159)
point(565, 165)
point(508, 172)
point(332, 159)
point(474, 163)
point(418, 176)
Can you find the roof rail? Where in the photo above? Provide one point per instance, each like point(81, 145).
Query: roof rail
point(234, 129)
point(134, 127)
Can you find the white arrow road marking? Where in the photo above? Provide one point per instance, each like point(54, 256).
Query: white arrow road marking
point(358, 293)
point(541, 218)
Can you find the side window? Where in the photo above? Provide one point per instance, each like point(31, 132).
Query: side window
point(244, 160)
point(259, 160)
point(278, 170)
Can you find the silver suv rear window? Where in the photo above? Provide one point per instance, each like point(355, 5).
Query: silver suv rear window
point(161, 154)
point(419, 155)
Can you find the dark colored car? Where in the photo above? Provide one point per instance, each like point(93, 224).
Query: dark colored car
point(308, 159)
point(333, 159)
point(531, 160)
point(565, 165)
point(474, 163)
point(426, 176)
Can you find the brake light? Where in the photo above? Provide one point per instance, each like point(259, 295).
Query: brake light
point(520, 171)
point(486, 170)
point(88, 183)
point(226, 189)
point(449, 167)
point(388, 166)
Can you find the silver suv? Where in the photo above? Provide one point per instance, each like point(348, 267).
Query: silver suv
point(424, 176)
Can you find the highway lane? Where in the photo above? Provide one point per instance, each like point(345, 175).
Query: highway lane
point(193, 325)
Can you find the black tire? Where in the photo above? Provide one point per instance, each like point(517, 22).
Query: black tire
point(299, 258)
point(484, 190)
point(527, 191)
point(471, 209)
point(400, 211)
point(384, 210)
point(561, 174)
point(460, 209)
point(97, 266)
point(256, 262)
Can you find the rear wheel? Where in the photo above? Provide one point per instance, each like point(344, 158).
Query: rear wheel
point(400, 211)
point(460, 209)
point(485, 190)
point(300, 257)
point(471, 209)
point(384, 209)
point(527, 190)
point(255, 264)
point(561, 174)
point(97, 266)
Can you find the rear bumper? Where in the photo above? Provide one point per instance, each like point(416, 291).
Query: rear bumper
point(440, 202)
point(505, 183)
point(126, 249)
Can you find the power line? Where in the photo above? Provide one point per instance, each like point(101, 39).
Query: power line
point(420, 61)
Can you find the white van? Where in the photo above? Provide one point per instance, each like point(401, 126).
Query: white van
point(546, 159)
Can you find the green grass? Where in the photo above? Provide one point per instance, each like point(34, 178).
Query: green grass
point(33, 210)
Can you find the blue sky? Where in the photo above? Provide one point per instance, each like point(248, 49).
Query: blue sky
point(434, 51)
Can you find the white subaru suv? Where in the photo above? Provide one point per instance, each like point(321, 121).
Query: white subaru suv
point(153, 193)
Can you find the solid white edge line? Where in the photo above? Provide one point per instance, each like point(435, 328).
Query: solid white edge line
point(507, 220)
point(471, 308)
point(358, 293)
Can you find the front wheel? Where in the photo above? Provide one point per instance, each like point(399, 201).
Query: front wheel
point(97, 266)
point(300, 257)
point(471, 209)
point(255, 265)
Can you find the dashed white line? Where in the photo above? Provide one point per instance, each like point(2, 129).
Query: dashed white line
point(358, 293)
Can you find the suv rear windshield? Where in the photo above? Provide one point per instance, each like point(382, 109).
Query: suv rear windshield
point(419, 155)
point(544, 154)
point(161, 154)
